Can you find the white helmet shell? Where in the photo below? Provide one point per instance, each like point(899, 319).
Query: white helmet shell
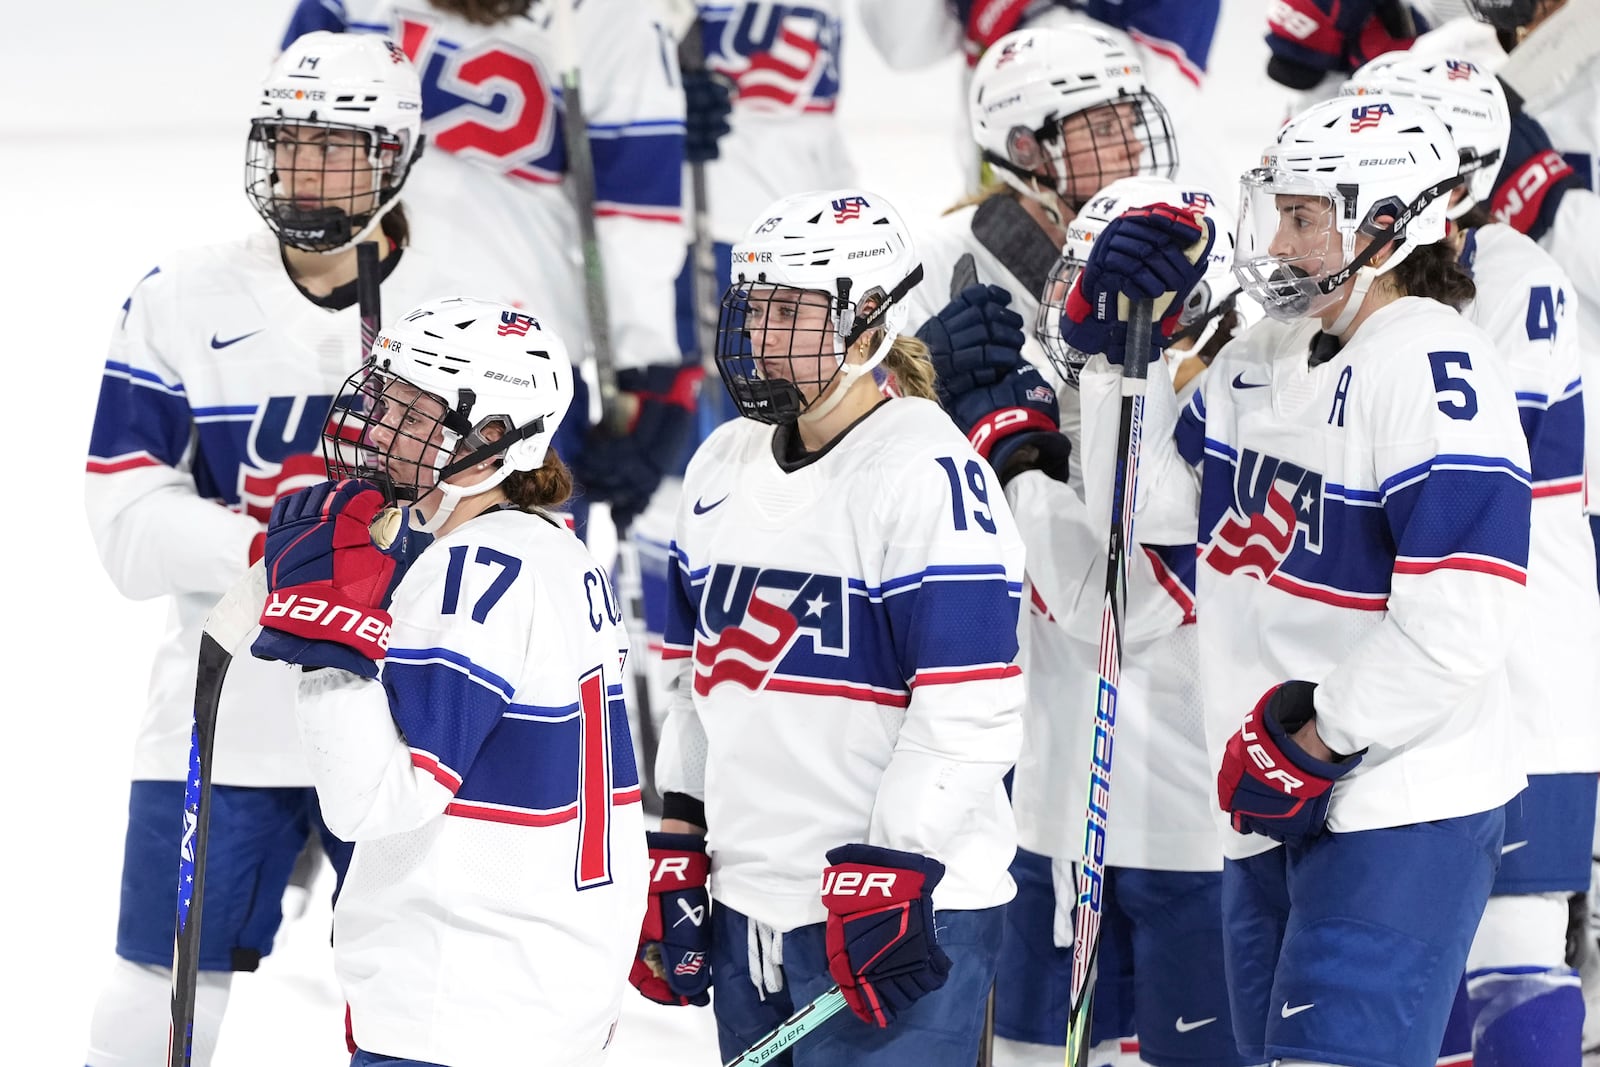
point(486, 364)
point(1030, 81)
point(1469, 100)
point(1350, 164)
point(356, 82)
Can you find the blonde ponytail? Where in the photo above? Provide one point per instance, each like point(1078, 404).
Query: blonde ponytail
point(910, 368)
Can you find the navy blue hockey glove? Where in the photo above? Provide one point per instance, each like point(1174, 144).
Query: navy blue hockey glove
point(974, 340)
point(1269, 784)
point(1158, 253)
point(673, 965)
point(625, 469)
point(327, 580)
point(1532, 180)
point(882, 949)
point(1311, 38)
point(707, 104)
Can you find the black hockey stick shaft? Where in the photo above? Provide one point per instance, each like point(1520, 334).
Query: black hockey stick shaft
point(703, 273)
point(1091, 868)
point(368, 300)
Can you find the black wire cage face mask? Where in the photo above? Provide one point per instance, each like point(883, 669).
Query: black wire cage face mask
point(319, 185)
point(1088, 150)
point(779, 347)
point(385, 430)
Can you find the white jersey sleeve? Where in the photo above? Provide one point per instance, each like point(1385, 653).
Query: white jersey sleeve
point(158, 532)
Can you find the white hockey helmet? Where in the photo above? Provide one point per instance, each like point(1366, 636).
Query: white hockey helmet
point(417, 412)
point(845, 253)
point(1207, 304)
point(1030, 83)
point(1468, 99)
point(328, 90)
point(1374, 166)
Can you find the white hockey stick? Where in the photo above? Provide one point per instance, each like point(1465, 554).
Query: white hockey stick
point(1091, 870)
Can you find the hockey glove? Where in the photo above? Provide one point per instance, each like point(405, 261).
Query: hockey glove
point(708, 103)
point(326, 580)
point(1268, 783)
point(986, 21)
point(1156, 253)
point(674, 962)
point(625, 469)
point(882, 949)
point(1532, 179)
point(1311, 38)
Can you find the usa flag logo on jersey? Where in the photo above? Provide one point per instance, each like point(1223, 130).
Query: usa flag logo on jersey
point(283, 451)
point(1273, 501)
point(781, 57)
point(1194, 198)
point(1367, 116)
point(755, 617)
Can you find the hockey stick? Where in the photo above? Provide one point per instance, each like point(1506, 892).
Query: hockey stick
point(226, 627)
point(703, 276)
point(580, 173)
point(791, 1029)
point(1091, 871)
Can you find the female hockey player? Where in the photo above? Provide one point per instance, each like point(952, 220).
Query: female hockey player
point(221, 372)
point(845, 616)
point(1160, 968)
point(498, 191)
point(487, 779)
point(1518, 980)
point(1360, 480)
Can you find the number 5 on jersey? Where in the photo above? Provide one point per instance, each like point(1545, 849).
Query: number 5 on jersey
point(1457, 398)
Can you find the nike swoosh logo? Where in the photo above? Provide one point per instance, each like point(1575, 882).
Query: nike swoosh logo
point(1297, 1009)
point(1511, 847)
point(1240, 383)
point(701, 508)
point(1185, 1027)
point(217, 342)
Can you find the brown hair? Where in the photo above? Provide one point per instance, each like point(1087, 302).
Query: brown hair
point(548, 487)
point(483, 12)
point(1434, 271)
point(396, 227)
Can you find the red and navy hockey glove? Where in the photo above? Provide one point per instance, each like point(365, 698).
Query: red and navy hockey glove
point(326, 579)
point(984, 22)
point(1268, 783)
point(1532, 180)
point(1158, 253)
point(882, 949)
point(1311, 38)
point(625, 469)
point(674, 961)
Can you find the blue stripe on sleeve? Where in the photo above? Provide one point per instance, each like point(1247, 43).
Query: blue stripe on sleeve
point(1462, 512)
point(948, 624)
point(138, 413)
point(1555, 438)
point(1190, 433)
point(442, 709)
point(642, 169)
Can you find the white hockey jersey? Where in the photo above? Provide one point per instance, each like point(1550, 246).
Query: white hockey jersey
point(784, 62)
point(490, 186)
point(848, 633)
point(1162, 787)
point(1523, 304)
point(1363, 524)
point(493, 903)
point(218, 383)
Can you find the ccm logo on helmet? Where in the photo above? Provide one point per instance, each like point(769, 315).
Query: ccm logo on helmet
point(297, 607)
point(856, 884)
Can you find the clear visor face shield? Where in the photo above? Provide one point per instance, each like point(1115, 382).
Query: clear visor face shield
point(1090, 149)
point(320, 185)
point(780, 347)
point(1290, 250)
point(385, 430)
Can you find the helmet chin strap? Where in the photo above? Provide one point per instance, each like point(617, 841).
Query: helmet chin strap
point(1352, 306)
point(451, 495)
point(846, 377)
